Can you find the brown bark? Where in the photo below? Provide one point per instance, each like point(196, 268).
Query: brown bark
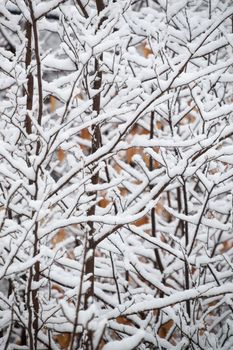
point(96, 143)
point(28, 124)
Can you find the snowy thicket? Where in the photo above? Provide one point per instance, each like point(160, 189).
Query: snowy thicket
point(116, 151)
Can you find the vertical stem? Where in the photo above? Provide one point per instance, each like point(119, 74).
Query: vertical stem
point(36, 278)
point(28, 124)
point(34, 272)
point(96, 143)
point(73, 335)
point(186, 213)
point(29, 308)
point(152, 213)
point(38, 62)
point(185, 232)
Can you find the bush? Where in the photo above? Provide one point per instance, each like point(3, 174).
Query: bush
point(116, 174)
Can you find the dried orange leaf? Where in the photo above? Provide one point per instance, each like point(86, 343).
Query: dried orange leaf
point(59, 237)
point(63, 340)
point(60, 154)
point(52, 104)
point(165, 328)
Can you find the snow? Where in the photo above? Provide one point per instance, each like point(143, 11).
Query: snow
point(133, 176)
point(43, 8)
point(128, 343)
point(178, 297)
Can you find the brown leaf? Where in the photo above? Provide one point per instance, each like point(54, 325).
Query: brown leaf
point(144, 49)
point(59, 289)
point(147, 51)
point(130, 153)
point(59, 237)
point(60, 154)
point(159, 125)
point(103, 203)
point(85, 134)
point(123, 320)
point(141, 221)
point(225, 246)
point(63, 340)
point(52, 104)
point(165, 328)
